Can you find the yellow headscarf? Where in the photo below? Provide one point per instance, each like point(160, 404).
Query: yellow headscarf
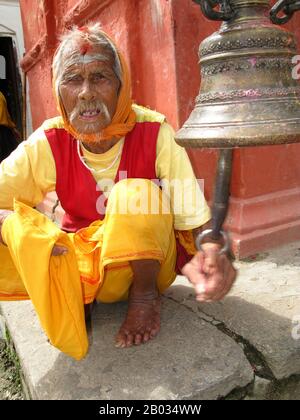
point(124, 118)
point(4, 114)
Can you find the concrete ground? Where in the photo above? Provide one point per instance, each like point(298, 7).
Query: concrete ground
point(245, 347)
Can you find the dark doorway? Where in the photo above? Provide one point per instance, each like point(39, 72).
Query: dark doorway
point(10, 80)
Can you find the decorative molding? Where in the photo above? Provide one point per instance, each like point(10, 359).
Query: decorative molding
point(237, 44)
point(262, 222)
point(83, 11)
point(246, 93)
point(34, 54)
point(244, 65)
point(46, 43)
point(50, 23)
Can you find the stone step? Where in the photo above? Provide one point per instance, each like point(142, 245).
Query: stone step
point(189, 359)
point(263, 307)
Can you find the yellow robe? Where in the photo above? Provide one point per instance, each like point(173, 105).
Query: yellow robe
point(27, 270)
point(97, 265)
point(100, 253)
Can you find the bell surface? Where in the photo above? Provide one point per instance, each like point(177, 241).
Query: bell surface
point(248, 95)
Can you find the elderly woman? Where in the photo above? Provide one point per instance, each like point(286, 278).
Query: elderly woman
point(126, 187)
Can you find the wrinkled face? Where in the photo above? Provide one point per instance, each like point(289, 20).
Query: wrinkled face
point(89, 92)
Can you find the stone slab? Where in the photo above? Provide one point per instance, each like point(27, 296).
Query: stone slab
point(190, 359)
point(263, 307)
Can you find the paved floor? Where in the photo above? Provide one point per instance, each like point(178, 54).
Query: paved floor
point(204, 351)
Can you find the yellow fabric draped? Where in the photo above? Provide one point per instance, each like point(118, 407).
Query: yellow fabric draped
point(104, 249)
point(186, 239)
point(124, 118)
point(52, 283)
point(97, 265)
point(5, 118)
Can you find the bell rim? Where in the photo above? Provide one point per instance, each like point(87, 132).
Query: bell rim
point(263, 134)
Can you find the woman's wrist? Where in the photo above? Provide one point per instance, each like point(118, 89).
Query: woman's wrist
point(207, 239)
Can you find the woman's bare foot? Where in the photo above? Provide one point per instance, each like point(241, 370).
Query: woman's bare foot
point(142, 322)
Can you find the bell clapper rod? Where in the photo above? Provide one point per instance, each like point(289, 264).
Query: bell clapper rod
point(221, 196)
point(221, 201)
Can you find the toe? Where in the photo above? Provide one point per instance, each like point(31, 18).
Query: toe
point(120, 344)
point(146, 337)
point(120, 340)
point(154, 331)
point(138, 339)
point(129, 340)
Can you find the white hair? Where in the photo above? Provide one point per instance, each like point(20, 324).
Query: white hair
point(68, 54)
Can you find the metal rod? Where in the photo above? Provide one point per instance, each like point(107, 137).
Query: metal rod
point(221, 195)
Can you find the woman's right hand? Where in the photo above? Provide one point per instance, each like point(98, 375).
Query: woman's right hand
point(59, 250)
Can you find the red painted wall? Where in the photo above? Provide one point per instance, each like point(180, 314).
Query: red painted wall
point(160, 39)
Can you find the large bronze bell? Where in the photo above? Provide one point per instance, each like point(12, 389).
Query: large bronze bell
point(248, 95)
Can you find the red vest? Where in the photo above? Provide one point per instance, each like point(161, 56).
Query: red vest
point(76, 187)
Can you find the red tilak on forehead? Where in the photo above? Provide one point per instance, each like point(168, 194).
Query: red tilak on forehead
point(85, 47)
